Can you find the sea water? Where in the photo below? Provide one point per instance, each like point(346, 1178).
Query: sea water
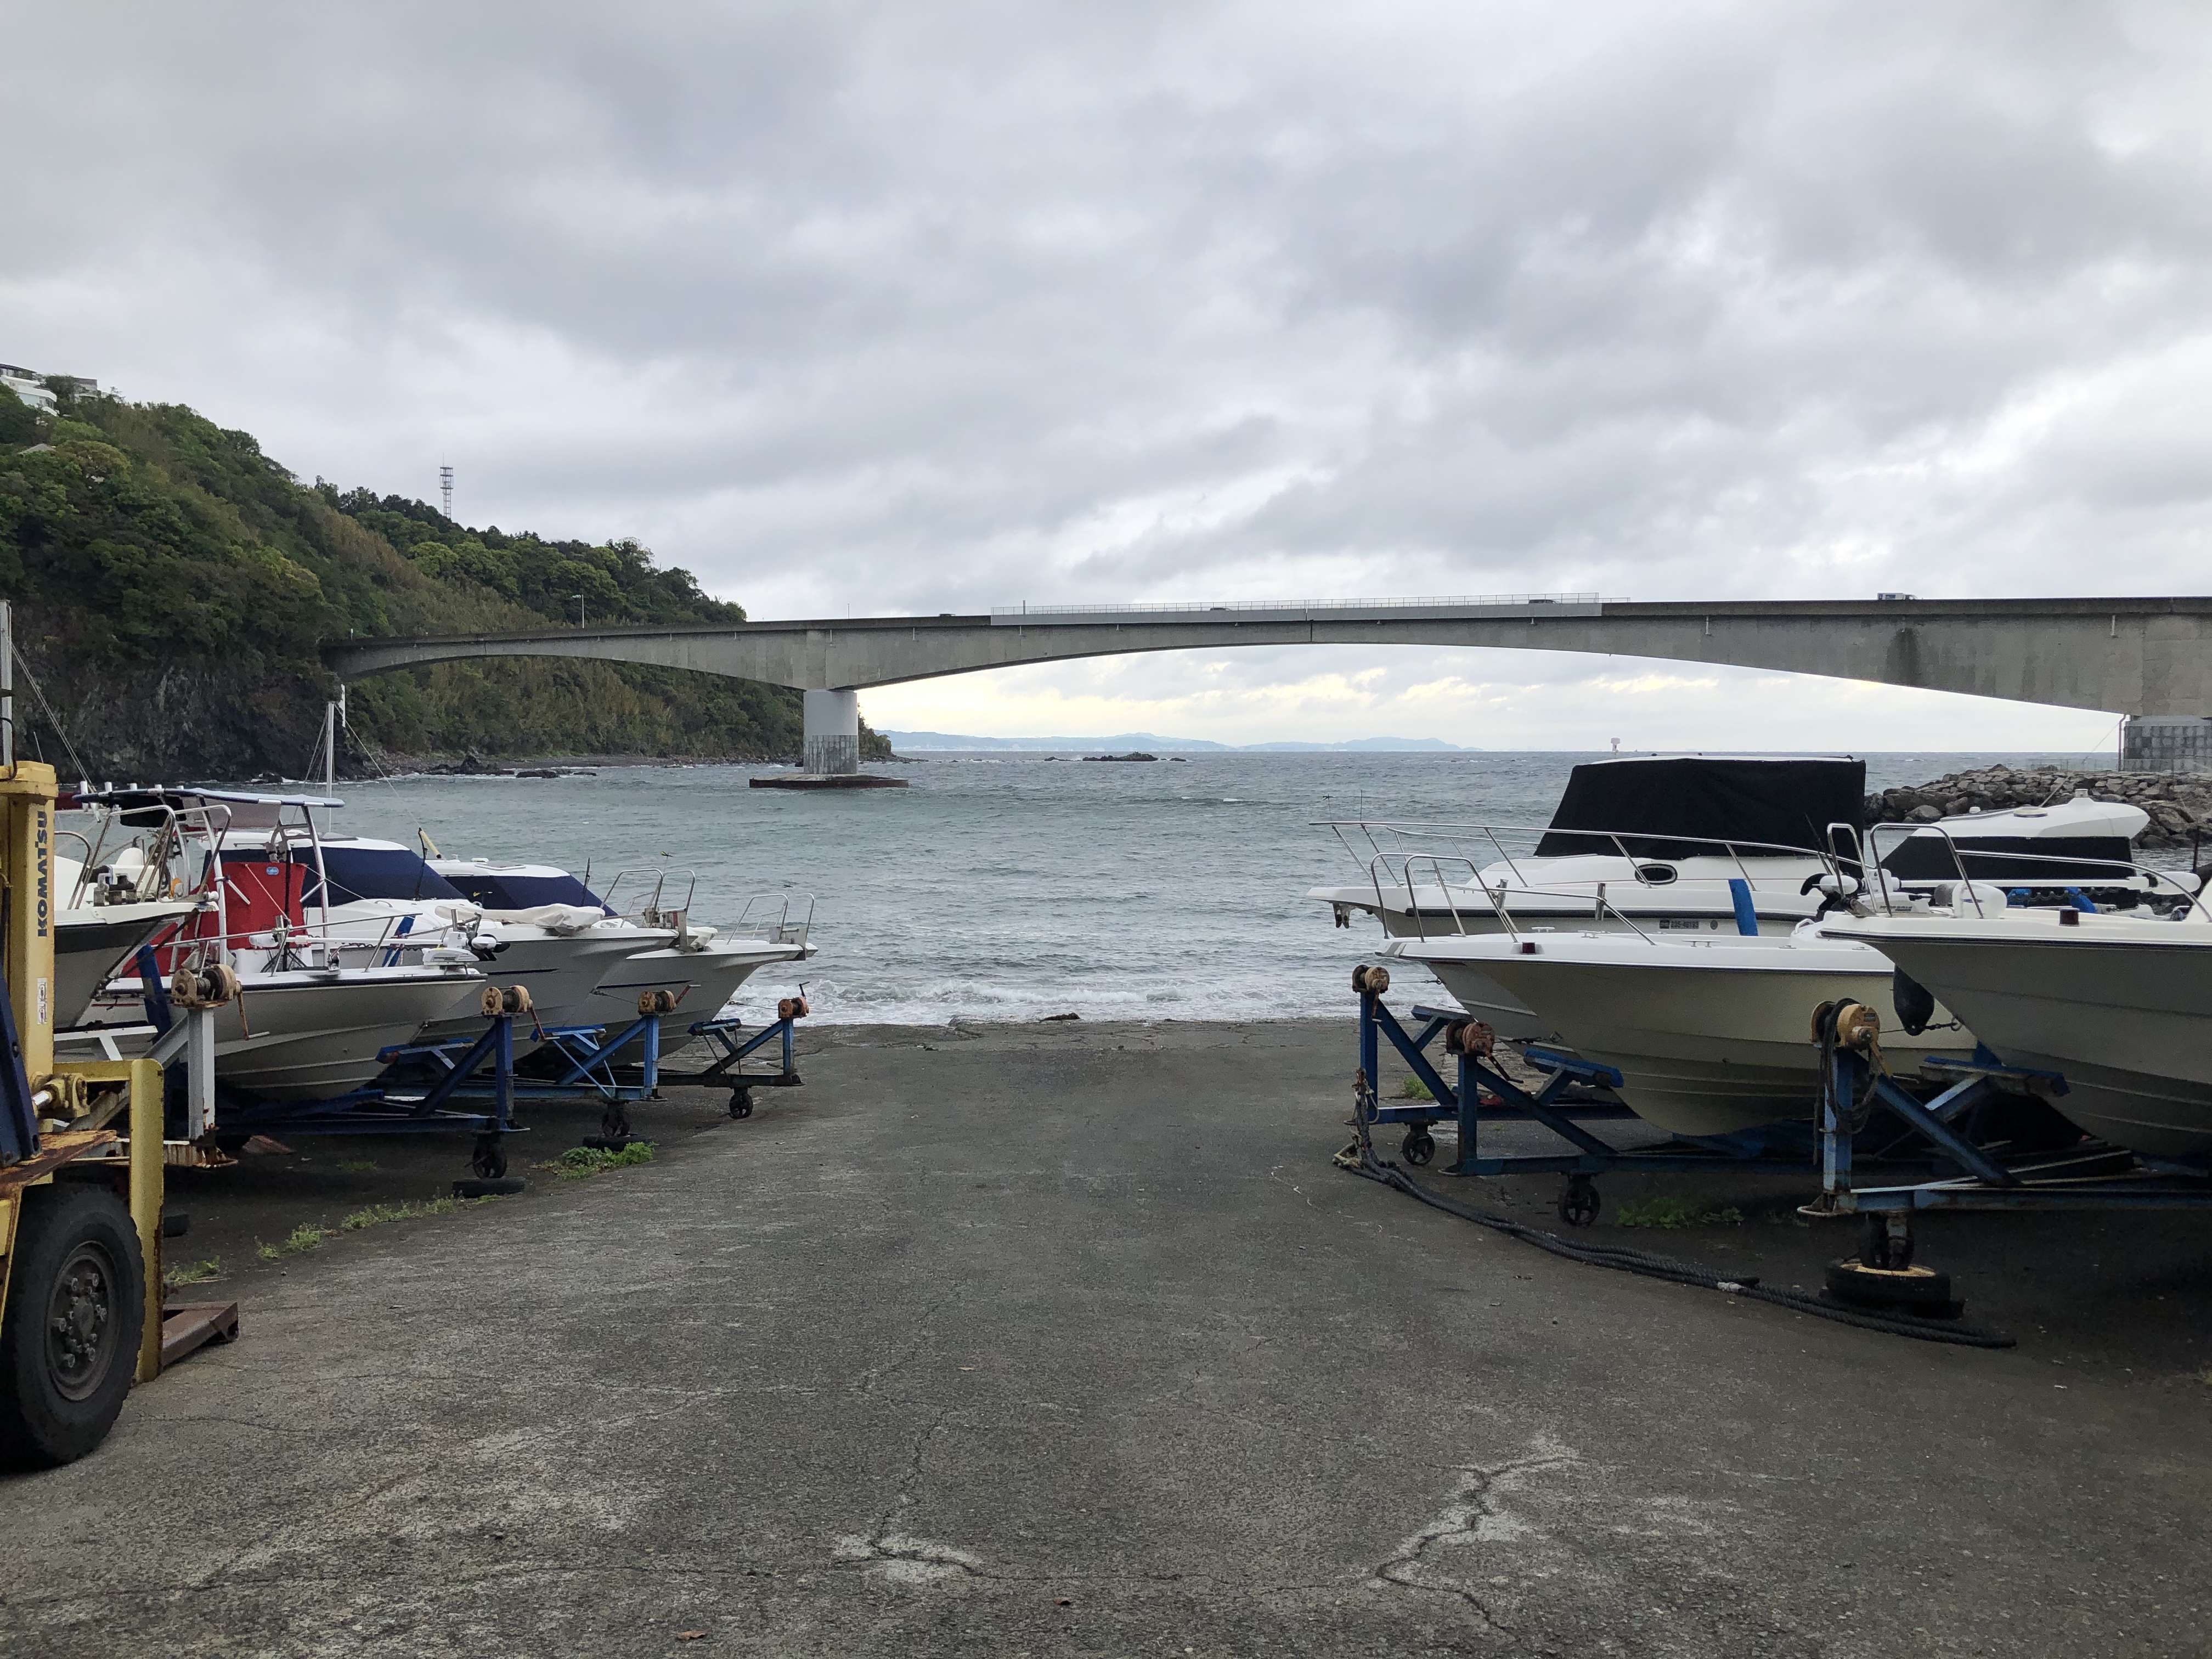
point(1013, 886)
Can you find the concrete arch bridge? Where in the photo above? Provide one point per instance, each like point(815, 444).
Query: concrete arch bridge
point(2148, 658)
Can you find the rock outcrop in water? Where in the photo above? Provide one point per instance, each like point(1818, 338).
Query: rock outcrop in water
point(2180, 806)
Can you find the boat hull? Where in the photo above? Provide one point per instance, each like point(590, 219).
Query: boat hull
point(313, 1035)
point(1703, 1048)
point(94, 943)
point(2126, 1017)
point(703, 982)
point(561, 974)
point(1469, 914)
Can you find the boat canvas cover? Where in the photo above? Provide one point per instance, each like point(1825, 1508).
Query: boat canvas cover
point(1787, 802)
point(2013, 860)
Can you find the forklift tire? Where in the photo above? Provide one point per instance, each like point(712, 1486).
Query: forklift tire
point(69, 1346)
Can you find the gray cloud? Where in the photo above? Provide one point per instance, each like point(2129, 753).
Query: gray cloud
point(894, 307)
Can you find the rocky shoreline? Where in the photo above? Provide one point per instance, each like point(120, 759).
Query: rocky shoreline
point(2179, 804)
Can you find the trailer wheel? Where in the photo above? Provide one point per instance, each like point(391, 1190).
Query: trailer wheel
point(1578, 1201)
point(614, 1123)
point(1418, 1148)
point(741, 1102)
point(490, 1161)
point(76, 1305)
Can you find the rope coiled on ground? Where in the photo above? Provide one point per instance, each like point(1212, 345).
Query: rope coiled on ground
point(1359, 1158)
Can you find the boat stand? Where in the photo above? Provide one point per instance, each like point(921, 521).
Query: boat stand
point(481, 1071)
point(1975, 1175)
point(724, 1035)
point(584, 1067)
point(1568, 1099)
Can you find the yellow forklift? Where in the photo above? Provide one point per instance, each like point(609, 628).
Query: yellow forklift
point(80, 1182)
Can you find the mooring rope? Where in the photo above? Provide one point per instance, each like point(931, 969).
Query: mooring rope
point(1359, 1158)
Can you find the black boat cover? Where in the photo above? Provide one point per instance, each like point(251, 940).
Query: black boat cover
point(2031, 861)
point(1787, 802)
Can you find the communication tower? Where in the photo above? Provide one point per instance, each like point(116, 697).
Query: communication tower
point(446, 488)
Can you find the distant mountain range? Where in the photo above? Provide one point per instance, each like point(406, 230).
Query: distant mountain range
point(920, 742)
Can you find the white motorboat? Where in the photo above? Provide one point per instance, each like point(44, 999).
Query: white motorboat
point(363, 902)
point(1669, 841)
point(382, 895)
point(308, 1023)
point(1711, 1035)
point(2121, 1004)
point(700, 965)
point(314, 1033)
point(2038, 853)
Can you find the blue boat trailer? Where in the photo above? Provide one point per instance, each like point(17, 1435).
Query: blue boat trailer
point(1975, 1171)
point(579, 1062)
point(725, 1036)
point(481, 1072)
point(1575, 1092)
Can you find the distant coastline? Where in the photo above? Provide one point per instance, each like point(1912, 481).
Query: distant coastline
point(923, 742)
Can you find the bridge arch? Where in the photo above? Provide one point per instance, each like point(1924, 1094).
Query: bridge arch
point(2123, 656)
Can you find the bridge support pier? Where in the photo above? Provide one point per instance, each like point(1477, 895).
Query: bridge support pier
point(2166, 743)
point(833, 732)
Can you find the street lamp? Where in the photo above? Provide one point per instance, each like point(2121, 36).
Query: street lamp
point(579, 598)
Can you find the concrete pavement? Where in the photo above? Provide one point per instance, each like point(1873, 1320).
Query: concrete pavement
point(1067, 1340)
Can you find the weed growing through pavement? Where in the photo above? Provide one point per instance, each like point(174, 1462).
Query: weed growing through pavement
point(197, 1273)
point(306, 1235)
point(1677, 1212)
point(376, 1214)
point(1413, 1089)
point(357, 1165)
point(579, 1162)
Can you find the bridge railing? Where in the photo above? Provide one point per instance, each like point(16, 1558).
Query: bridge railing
point(1321, 609)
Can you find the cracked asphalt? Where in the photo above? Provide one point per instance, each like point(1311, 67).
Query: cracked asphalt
point(1069, 1339)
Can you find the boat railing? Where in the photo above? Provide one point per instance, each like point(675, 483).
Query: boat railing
point(650, 889)
point(768, 916)
point(2068, 877)
point(319, 943)
point(1401, 842)
point(162, 861)
point(1600, 905)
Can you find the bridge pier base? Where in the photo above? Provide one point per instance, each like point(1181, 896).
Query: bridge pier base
point(833, 732)
point(2166, 743)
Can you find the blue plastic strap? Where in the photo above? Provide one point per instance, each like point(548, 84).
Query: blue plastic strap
point(1746, 913)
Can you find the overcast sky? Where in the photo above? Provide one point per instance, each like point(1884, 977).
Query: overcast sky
point(932, 307)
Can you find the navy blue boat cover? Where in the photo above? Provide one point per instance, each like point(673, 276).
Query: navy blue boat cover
point(1786, 802)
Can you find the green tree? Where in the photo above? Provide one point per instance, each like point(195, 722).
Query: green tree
point(19, 421)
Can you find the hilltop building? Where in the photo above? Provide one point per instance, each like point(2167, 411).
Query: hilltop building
point(39, 389)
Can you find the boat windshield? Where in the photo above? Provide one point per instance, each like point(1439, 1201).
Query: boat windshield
point(372, 872)
point(514, 893)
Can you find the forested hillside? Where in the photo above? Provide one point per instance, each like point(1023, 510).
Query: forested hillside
point(173, 584)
